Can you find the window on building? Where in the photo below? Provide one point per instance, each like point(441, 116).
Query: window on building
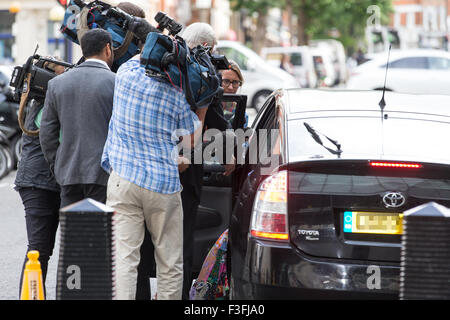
point(56, 45)
point(6, 37)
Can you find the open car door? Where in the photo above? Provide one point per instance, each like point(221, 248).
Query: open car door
point(216, 203)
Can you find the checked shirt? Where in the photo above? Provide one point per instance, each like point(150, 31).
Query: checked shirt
point(141, 146)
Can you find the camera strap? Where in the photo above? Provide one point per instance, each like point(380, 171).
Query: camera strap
point(123, 48)
point(23, 104)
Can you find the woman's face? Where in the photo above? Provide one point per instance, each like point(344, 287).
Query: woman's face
point(230, 81)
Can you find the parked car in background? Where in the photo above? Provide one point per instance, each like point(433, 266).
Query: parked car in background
point(410, 71)
point(5, 77)
point(323, 64)
point(8, 115)
point(338, 57)
point(316, 225)
point(301, 59)
point(9, 125)
point(6, 157)
point(260, 78)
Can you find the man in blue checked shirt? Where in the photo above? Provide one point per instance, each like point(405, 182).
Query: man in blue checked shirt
point(144, 182)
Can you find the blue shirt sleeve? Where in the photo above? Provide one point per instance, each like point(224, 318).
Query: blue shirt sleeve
point(188, 120)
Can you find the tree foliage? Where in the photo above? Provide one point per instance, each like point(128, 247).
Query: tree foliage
point(349, 17)
point(315, 18)
point(261, 8)
point(256, 6)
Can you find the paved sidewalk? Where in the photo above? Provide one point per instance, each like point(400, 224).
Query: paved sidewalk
point(13, 243)
point(13, 240)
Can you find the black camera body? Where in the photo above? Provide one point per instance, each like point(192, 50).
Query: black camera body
point(121, 16)
point(220, 62)
point(39, 77)
point(195, 70)
point(166, 22)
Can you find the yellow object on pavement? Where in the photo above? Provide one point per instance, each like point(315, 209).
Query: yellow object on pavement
point(32, 285)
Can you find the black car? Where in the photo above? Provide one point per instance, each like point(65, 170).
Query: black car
point(323, 217)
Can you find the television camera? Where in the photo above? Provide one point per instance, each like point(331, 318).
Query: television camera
point(194, 70)
point(30, 81)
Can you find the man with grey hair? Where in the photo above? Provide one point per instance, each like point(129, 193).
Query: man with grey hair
point(199, 33)
point(192, 178)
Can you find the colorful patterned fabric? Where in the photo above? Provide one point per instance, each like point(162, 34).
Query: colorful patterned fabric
point(212, 282)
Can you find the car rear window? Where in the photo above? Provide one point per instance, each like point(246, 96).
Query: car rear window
point(296, 59)
point(320, 183)
point(400, 136)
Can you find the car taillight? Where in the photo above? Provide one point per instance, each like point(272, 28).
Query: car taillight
point(269, 215)
point(405, 165)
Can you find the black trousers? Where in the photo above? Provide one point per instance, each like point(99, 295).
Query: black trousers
point(42, 219)
point(190, 202)
point(146, 268)
point(77, 192)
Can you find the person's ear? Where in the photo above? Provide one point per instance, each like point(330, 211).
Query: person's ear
point(110, 49)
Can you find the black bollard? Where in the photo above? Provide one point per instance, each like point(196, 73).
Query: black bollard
point(85, 267)
point(425, 257)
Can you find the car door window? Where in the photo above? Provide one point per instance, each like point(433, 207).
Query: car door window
point(268, 134)
point(263, 114)
point(410, 63)
point(296, 59)
point(437, 63)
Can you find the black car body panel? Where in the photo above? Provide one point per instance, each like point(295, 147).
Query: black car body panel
point(329, 173)
point(282, 272)
point(317, 201)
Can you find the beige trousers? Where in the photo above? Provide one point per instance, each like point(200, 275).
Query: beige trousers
point(163, 215)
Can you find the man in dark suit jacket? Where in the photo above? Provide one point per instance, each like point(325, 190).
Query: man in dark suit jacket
point(75, 119)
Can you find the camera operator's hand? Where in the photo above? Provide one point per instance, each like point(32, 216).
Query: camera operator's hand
point(183, 164)
point(141, 28)
point(229, 167)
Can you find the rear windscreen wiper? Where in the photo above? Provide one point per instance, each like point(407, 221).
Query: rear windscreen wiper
point(316, 138)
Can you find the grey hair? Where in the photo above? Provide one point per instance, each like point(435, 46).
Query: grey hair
point(198, 33)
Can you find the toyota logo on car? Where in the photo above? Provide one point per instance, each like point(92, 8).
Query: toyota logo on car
point(393, 200)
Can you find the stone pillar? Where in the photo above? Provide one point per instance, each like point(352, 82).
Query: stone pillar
point(30, 29)
point(425, 255)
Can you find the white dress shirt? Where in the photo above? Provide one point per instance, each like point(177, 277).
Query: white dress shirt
point(100, 61)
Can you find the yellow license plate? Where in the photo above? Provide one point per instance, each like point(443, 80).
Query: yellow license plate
point(373, 222)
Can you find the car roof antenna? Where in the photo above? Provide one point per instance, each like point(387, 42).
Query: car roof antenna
point(382, 103)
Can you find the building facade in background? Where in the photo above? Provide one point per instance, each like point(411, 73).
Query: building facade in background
point(414, 24)
point(24, 24)
point(422, 23)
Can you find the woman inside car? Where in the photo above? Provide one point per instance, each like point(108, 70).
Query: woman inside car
point(212, 281)
point(232, 80)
